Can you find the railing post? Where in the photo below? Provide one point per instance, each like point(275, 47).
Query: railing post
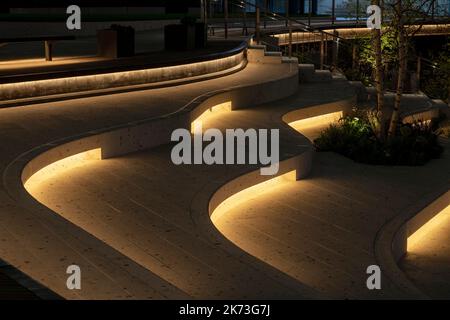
point(333, 11)
point(257, 22)
point(244, 29)
point(335, 48)
point(202, 10)
point(419, 70)
point(309, 12)
point(266, 10)
point(287, 12)
point(225, 3)
point(322, 51)
point(357, 12)
point(204, 17)
point(48, 50)
point(290, 38)
point(432, 10)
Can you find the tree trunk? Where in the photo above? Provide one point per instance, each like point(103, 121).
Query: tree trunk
point(354, 56)
point(402, 59)
point(376, 43)
point(448, 92)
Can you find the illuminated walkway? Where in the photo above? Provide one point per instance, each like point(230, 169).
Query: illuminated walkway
point(428, 261)
point(139, 226)
point(321, 230)
point(141, 205)
point(42, 245)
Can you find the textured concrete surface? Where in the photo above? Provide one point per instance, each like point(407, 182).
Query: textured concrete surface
point(427, 262)
point(154, 224)
point(25, 80)
point(31, 236)
point(93, 81)
point(134, 225)
point(321, 230)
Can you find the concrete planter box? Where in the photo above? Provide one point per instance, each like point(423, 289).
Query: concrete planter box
point(116, 42)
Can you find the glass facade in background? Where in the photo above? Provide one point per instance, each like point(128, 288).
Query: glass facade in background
point(344, 9)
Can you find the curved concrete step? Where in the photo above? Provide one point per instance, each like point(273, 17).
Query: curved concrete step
point(53, 239)
point(140, 205)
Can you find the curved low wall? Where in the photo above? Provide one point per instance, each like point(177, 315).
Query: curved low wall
point(428, 213)
point(344, 106)
point(148, 133)
point(301, 163)
point(128, 137)
point(49, 87)
point(392, 240)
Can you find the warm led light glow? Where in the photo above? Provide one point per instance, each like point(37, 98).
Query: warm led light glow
point(350, 33)
point(250, 193)
point(60, 166)
point(211, 114)
point(321, 120)
point(419, 238)
point(64, 60)
point(19, 90)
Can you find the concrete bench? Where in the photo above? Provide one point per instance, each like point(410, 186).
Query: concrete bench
point(48, 42)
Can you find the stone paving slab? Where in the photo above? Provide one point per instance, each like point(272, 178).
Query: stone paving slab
point(140, 210)
point(321, 230)
point(41, 243)
point(141, 205)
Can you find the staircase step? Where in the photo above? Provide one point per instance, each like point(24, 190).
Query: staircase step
point(289, 60)
point(273, 54)
point(443, 107)
point(257, 46)
point(361, 91)
point(322, 75)
point(259, 55)
point(339, 76)
point(306, 72)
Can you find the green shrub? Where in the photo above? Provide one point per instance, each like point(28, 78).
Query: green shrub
point(353, 137)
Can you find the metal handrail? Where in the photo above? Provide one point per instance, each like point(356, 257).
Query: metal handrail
point(305, 27)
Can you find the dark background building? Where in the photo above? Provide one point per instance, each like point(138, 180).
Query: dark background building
point(99, 6)
point(296, 7)
point(160, 6)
